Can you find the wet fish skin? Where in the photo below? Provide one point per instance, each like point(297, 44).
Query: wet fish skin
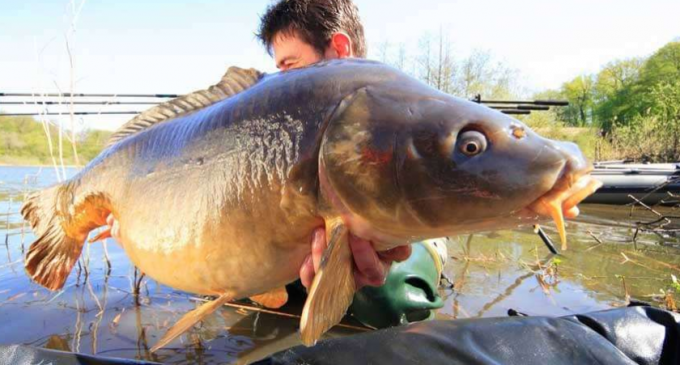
point(223, 201)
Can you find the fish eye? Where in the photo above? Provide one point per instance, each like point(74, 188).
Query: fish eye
point(472, 143)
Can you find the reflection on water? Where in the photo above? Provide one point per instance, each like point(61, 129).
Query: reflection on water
point(491, 273)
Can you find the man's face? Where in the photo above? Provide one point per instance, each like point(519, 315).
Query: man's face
point(290, 51)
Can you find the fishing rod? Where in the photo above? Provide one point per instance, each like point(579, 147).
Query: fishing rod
point(515, 107)
point(59, 103)
point(66, 114)
point(527, 108)
point(514, 111)
point(478, 99)
point(527, 102)
point(83, 95)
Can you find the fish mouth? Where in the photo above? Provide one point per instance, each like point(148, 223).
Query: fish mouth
point(561, 201)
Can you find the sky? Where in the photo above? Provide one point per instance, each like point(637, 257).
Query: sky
point(154, 46)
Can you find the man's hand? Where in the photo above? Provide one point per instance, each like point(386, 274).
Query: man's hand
point(370, 267)
point(115, 228)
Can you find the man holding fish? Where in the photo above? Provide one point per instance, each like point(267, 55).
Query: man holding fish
point(298, 33)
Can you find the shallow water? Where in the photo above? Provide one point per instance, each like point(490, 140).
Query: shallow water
point(491, 273)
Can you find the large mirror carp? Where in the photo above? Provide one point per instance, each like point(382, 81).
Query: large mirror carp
point(222, 199)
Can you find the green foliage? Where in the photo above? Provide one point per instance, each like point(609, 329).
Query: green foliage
point(579, 93)
point(663, 66)
point(641, 138)
point(24, 141)
point(634, 103)
point(614, 94)
point(548, 125)
point(675, 284)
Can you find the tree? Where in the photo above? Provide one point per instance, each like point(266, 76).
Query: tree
point(579, 93)
point(400, 59)
point(480, 74)
point(663, 66)
point(614, 92)
point(436, 64)
point(475, 74)
point(384, 52)
point(24, 137)
point(665, 105)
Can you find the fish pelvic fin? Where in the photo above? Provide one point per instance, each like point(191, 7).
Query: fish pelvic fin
point(333, 287)
point(275, 299)
point(101, 236)
point(190, 319)
point(61, 233)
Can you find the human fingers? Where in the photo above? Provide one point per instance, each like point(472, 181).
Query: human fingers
point(307, 272)
point(369, 268)
point(318, 246)
point(398, 254)
point(115, 229)
point(362, 280)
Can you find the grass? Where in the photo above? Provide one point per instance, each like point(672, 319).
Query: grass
point(644, 139)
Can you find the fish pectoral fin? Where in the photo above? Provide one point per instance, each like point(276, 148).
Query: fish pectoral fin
point(102, 235)
point(191, 319)
point(275, 299)
point(333, 287)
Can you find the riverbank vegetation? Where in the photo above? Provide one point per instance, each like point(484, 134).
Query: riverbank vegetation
point(632, 105)
point(24, 141)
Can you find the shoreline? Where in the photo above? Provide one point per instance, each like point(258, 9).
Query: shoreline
point(37, 165)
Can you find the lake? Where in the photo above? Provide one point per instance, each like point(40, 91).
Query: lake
point(97, 312)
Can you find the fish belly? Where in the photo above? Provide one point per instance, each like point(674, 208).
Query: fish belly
point(200, 241)
point(223, 261)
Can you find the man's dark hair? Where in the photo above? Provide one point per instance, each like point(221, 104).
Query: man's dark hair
point(314, 21)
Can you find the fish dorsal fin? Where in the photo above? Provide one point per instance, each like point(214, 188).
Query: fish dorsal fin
point(233, 82)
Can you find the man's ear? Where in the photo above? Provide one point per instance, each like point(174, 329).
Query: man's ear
point(340, 46)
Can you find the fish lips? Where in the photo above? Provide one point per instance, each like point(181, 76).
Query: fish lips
point(561, 201)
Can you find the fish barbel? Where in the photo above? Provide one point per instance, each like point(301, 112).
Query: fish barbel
point(221, 199)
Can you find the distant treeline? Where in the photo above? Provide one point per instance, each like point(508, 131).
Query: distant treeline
point(437, 64)
point(634, 104)
point(24, 141)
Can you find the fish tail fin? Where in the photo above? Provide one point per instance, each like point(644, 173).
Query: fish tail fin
point(333, 287)
point(190, 319)
point(52, 256)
